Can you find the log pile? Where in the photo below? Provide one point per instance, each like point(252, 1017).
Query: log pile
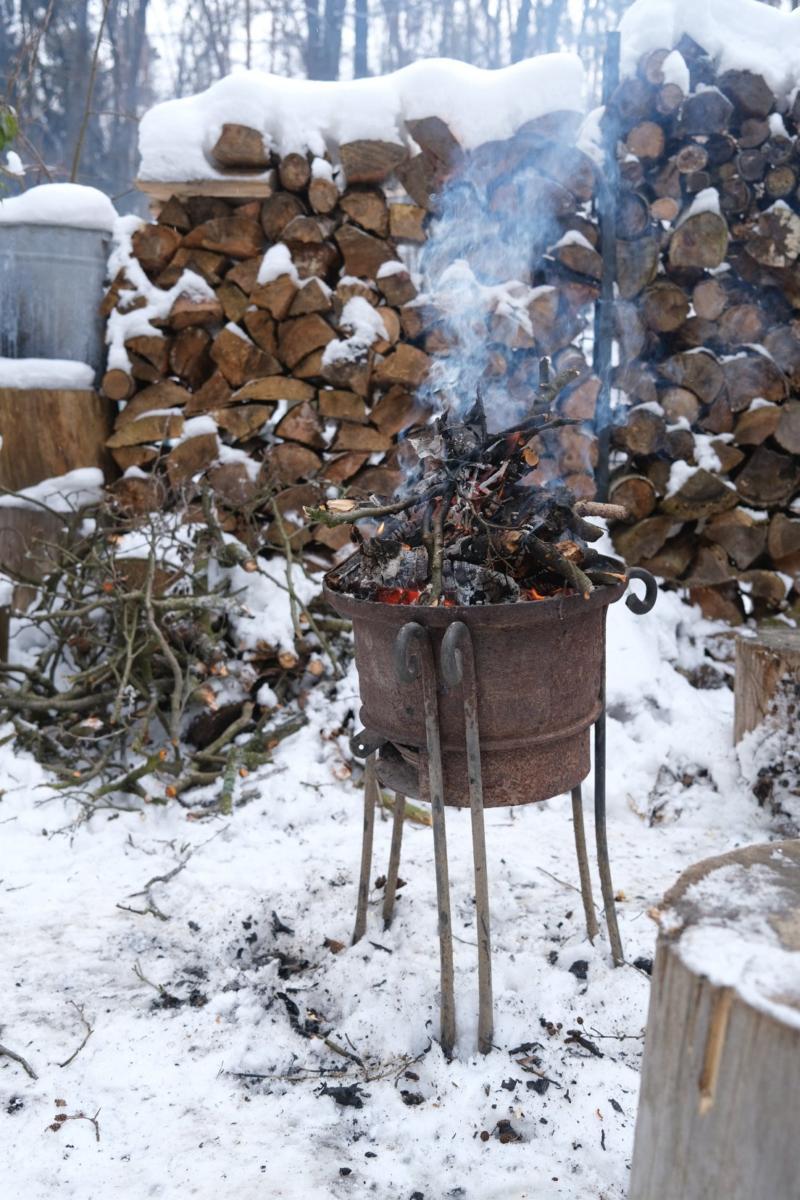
point(292, 364)
point(708, 322)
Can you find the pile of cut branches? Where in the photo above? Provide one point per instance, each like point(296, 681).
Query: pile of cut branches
point(130, 681)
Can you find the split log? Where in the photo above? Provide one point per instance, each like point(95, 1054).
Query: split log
point(740, 535)
point(635, 493)
point(363, 254)
point(240, 360)
point(236, 237)
point(368, 161)
point(701, 495)
point(278, 211)
point(323, 195)
point(768, 480)
point(240, 146)
point(637, 263)
point(118, 385)
point(294, 172)
point(715, 1112)
point(368, 208)
point(701, 241)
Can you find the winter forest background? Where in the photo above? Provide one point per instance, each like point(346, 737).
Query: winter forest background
point(128, 54)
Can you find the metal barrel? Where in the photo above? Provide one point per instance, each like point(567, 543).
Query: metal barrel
point(51, 285)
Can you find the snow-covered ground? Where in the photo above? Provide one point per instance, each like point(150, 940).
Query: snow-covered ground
point(208, 1060)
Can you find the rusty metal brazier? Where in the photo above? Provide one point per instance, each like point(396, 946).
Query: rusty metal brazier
point(539, 669)
point(483, 706)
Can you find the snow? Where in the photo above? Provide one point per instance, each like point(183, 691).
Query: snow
point(394, 267)
point(195, 427)
point(574, 238)
point(179, 1112)
point(706, 200)
point(737, 34)
point(276, 262)
point(45, 373)
point(744, 952)
point(776, 126)
point(365, 325)
point(675, 71)
point(60, 204)
point(176, 137)
point(322, 169)
point(62, 493)
point(14, 164)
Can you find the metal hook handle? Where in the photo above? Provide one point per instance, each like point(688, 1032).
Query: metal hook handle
point(642, 606)
point(407, 659)
point(454, 641)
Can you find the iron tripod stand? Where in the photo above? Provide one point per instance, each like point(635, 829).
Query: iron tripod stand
point(413, 661)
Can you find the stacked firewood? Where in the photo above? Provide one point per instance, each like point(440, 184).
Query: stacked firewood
point(708, 235)
point(297, 365)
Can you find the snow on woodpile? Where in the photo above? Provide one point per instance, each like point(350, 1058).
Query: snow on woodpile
point(69, 204)
point(367, 260)
point(738, 35)
point(176, 138)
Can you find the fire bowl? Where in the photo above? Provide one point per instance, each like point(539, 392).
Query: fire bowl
point(539, 670)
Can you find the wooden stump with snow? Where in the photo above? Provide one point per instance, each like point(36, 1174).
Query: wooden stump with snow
point(762, 664)
point(717, 1113)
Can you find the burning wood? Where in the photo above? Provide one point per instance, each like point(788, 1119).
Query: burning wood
point(472, 527)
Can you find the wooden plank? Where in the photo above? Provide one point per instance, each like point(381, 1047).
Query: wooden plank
point(48, 432)
point(225, 189)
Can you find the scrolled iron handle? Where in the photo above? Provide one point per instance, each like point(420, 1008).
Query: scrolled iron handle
point(407, 657)
point(455, 640)
point(640, 607)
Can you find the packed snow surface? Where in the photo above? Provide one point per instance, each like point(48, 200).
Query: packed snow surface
point(176, 137)
point(217, 1080)
point(738, 35)
point(59, 204)
point(45, 373)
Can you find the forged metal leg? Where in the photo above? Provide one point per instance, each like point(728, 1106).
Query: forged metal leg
point(394, 859)
point(414, 657)
point(458, 666)
point(370, 798)
point(592, 929)
point(600, 831)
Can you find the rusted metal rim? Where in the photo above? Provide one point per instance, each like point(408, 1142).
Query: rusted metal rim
point(499, 616)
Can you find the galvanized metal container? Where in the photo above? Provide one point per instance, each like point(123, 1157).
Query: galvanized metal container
point(51, 285)
point(539, 669)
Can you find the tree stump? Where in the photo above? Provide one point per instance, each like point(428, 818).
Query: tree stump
point(761, 664)
point(45, 432)
point(717, 1113)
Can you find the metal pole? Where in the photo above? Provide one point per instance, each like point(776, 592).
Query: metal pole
point(458, 667)
point(592, 928)
point(414, 658)
point(603, 864)
point(604, 309)
point(390, 890)
point(370, 798)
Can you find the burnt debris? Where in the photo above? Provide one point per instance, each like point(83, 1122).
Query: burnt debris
point(472, 527)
